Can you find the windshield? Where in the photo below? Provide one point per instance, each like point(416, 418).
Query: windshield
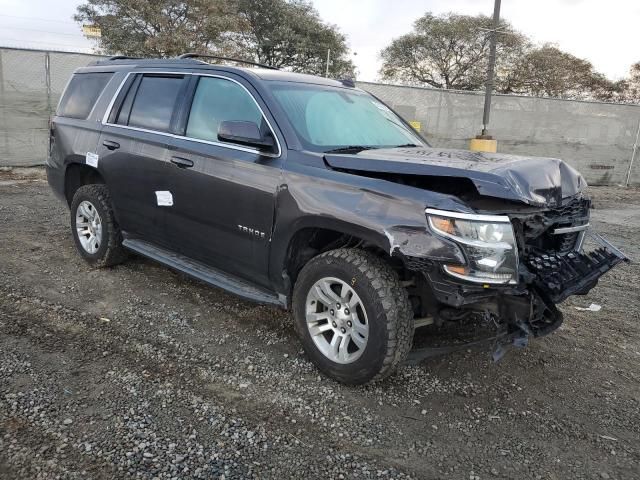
point(328, 119)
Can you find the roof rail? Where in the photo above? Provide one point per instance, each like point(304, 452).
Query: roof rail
point(229, 59)
point(122, 57)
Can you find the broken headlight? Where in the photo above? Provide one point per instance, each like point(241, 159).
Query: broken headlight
point(487, 242)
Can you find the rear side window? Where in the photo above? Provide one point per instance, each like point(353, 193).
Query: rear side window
point(81, 94)
point(153, 104)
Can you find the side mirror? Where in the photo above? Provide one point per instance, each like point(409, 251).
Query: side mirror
point(244, 133)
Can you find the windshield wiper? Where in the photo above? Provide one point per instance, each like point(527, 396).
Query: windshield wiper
point(350, 149)
point(406, 145)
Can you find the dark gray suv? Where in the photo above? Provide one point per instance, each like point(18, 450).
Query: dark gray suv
point(311, 194)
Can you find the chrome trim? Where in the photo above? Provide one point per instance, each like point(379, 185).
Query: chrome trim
point(578, 228)
point(468, 216)
point(107, 112)
point(511, 281)
point(182, 137)
point(580, 241)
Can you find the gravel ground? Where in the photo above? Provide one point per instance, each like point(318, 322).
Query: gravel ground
point(140, 372)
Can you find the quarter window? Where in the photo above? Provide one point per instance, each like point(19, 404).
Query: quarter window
point(217, 100)
point(154, 103)
point(81, 94)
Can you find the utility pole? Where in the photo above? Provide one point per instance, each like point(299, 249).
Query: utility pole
point(484, 142)
point(326, 73)
point(491, 69)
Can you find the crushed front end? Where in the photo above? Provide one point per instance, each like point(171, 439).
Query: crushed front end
point(513, 268)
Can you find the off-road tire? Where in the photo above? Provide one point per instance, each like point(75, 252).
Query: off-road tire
point(386, 302)
point(110, 252)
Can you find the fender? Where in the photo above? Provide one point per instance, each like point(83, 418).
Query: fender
point(382, 213)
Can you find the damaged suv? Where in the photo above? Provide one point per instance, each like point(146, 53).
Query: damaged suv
point(313, 195)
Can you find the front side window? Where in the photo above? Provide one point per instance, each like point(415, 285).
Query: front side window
point(217, 100)
point(82, 93)
point(153, 104)
point(328, 118)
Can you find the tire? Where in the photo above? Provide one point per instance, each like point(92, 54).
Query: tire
point(109, 250)
point(385, 306)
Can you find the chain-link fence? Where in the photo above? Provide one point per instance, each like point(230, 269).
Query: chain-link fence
point(597, 138)
point(31, 83)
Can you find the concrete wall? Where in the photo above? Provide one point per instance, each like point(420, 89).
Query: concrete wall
point(596, 138)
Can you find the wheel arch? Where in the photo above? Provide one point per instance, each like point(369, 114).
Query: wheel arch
point(79, 174)
point(313, 236)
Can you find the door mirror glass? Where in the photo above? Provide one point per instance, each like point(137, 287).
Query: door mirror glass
point(244, 133)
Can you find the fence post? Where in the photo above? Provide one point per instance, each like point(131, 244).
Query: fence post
point(633, 155)
point(3, 103)
point(47, 78)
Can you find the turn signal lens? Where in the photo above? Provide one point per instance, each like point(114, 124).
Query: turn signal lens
point(444, 225)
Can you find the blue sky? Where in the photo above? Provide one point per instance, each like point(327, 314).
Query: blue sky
point(605, 33)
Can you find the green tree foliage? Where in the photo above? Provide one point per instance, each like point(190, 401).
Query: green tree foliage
point(549, 72)
point(281, 33)
point(161, 28)
point(451, 51)
point(290, 34)
point(631, 90)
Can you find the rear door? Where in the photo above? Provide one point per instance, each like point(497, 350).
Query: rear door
point(224, 194)
point(134, 151)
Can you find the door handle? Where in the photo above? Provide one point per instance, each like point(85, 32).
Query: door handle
point(182, 162)
point(111, 145)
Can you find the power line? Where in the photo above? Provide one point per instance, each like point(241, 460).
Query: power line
point(6, 39)
point(38, 19)
point(44, 31)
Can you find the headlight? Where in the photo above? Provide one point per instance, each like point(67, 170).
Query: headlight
point(487, 242)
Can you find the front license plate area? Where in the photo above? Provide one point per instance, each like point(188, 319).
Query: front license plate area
point(561, 275)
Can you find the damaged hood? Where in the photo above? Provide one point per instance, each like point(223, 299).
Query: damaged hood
point(533, 180)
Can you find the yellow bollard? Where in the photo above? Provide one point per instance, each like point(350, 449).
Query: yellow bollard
point(483, 145)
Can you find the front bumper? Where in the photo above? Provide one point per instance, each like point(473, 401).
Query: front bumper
point(528, 307)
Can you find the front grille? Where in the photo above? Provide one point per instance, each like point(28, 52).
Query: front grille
point(538, 230)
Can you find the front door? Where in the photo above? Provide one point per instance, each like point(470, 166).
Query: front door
point(223, 194)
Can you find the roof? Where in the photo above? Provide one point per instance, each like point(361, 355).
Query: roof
point(192, 63)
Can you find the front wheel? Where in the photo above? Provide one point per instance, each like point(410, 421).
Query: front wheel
point(354, 317)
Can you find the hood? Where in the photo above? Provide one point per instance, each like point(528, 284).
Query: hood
point(536, 181)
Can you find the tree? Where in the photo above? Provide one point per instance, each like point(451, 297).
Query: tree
point(632, 85)
point(451, 51)
point(157, 28)
point(549, 72)
point(290, 34)
point(280, 33)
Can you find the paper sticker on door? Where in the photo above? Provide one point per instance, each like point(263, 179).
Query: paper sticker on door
point(164, 198)
point(92, 159)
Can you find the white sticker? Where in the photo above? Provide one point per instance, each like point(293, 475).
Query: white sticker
point(92, 159)
point(164, 198)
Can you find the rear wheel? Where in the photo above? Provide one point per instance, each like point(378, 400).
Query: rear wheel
point(94, 228)
point(354, 317)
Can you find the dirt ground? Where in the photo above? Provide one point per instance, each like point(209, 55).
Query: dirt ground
point(140, 372)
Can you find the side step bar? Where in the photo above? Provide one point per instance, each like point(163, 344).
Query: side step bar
point(207, 274)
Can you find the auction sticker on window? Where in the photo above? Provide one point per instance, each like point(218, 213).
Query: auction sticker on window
point(92, 159)
point(164, 198)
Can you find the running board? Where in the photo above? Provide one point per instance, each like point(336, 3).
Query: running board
point(207, 274)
